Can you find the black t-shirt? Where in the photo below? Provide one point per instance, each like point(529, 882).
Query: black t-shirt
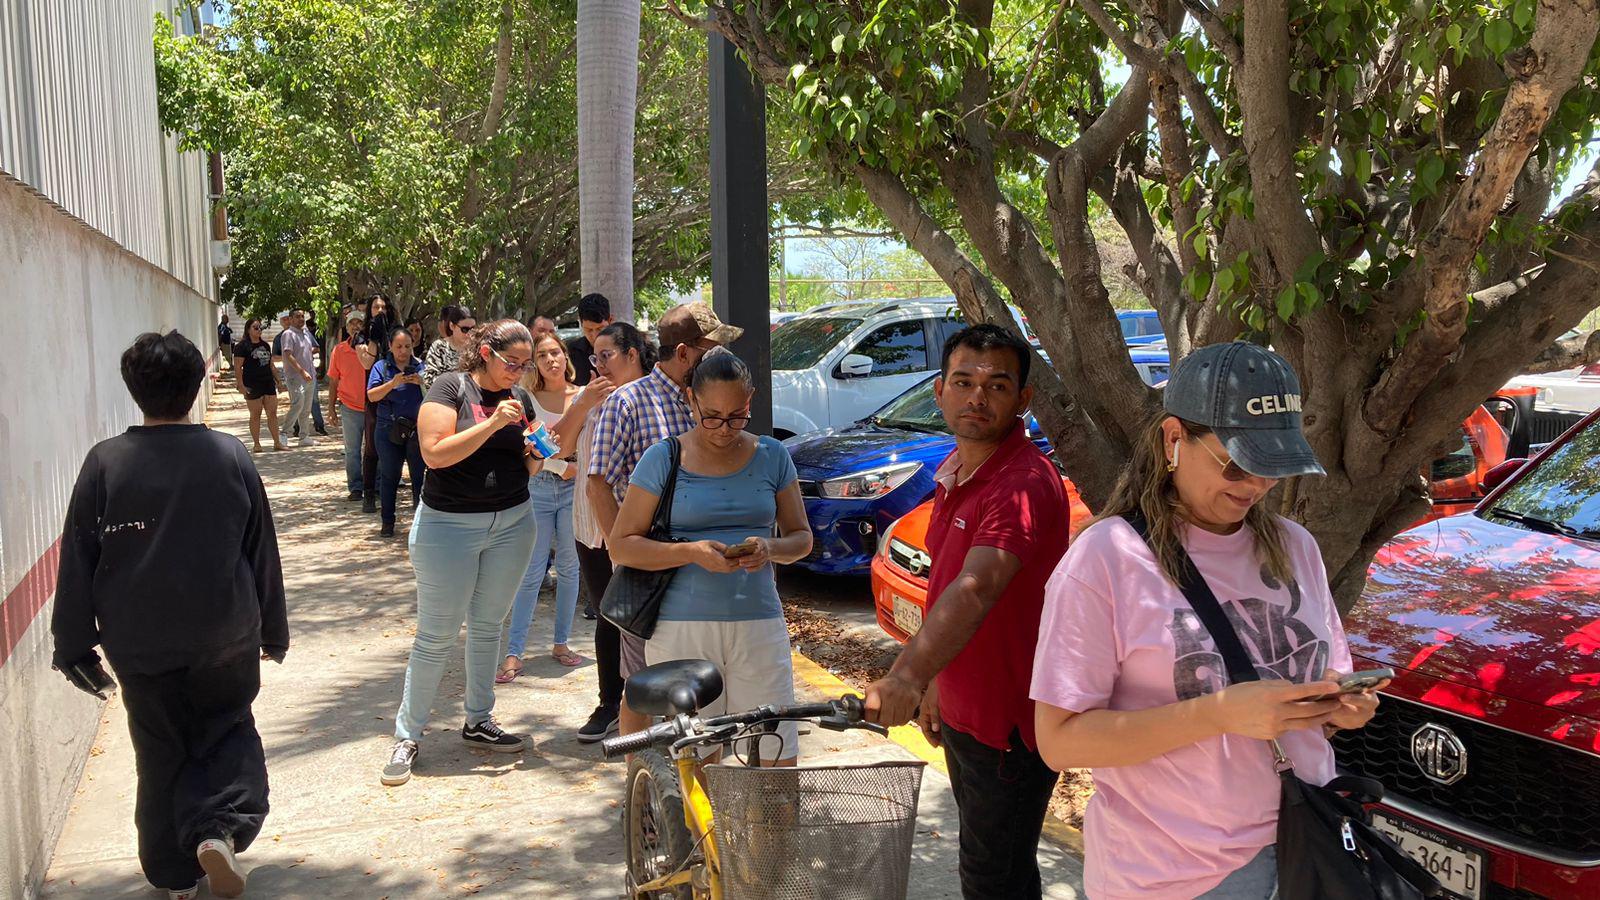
point(579, 350)
point(494, 477)
point(257, 371)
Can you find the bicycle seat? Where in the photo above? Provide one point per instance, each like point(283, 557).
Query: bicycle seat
point(673, 687)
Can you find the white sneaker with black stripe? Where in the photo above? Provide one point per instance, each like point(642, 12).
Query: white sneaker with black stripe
point(489, 735)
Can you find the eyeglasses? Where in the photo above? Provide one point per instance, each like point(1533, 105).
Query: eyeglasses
point(1231, 470)
point(513, 368)
point(737, 423)
point(603, 357)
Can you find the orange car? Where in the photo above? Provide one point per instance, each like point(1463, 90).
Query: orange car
point(900, 567)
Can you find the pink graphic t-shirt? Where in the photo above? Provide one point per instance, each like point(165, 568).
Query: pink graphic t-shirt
point(1116, 634)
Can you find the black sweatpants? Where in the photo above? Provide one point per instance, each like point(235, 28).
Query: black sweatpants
point(594, 566)
point(202, 771)
point(1002, 797)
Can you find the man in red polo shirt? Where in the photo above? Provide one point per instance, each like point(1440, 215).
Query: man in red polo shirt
point(999, 527)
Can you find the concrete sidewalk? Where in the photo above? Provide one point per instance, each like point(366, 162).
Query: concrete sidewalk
point(543, 823)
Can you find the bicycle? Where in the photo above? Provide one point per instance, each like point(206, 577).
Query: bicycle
point(820, 832)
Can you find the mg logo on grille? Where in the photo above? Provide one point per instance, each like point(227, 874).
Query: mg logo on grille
point(1439, 753)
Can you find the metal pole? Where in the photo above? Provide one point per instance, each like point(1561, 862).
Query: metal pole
point(783, 272)
point(740, 261)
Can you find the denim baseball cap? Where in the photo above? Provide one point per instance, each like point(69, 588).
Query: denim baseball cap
point(1250, 397)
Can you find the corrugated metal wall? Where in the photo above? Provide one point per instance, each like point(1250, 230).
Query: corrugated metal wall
point(78, 123)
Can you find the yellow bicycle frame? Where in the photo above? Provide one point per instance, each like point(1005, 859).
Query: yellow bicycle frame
point(697, 815)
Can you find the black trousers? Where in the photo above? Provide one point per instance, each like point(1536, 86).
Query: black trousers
point(369, 451)
point(202, 771)
point(594, 566)
point(1002, 797)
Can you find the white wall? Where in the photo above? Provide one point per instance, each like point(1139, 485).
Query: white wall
point(78, 122)
point(81, 300)
point(104, 235)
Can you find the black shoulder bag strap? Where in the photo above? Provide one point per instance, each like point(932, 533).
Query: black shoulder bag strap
point(661, 522)
point(1205, 605)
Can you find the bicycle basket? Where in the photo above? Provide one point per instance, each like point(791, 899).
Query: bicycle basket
point(815, 833)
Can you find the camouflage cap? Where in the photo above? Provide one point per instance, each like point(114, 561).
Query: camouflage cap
point(689, 323)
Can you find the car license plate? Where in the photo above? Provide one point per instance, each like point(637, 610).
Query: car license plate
point(907, 615)
point(1459, 868)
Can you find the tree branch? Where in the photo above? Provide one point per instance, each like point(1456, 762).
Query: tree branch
point(1021, 90)
point(1216, 31)
point(1269, 141)
point(1541, 74)
point(979, 300)
point(1579, 350)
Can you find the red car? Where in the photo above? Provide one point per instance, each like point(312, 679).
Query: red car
point(1488, 742)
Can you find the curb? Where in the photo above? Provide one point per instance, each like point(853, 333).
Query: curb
point(910, 737)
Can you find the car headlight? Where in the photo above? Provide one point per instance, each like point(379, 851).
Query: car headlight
point(886, 537)
point(868, 485)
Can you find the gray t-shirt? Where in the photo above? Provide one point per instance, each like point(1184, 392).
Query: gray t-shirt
point(299, 345)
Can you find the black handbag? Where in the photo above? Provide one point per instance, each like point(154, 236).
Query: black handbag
point(1327, 848)
point(401, 429)
point(632, 601)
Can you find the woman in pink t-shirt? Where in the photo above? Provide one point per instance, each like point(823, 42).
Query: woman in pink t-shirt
point(1128, 681)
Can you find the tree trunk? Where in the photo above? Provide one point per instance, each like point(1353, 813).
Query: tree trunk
point(608, 72)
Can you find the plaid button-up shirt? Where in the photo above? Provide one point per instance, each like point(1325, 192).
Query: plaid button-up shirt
point(635, 417)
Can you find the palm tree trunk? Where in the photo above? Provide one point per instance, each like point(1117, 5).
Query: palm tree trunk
point(608, 73)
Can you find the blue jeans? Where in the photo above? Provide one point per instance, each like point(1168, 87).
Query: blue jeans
point(354, 428)
point(552, 509)
point(1255, 880)
point(467, 567)
point(390, 456)
point(316, 403)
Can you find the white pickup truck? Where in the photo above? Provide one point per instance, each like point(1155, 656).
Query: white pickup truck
point(836, 363)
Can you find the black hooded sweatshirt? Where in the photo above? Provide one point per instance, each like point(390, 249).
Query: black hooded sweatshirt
point(169, 558)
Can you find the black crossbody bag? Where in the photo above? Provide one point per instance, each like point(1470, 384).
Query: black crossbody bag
point(632, 601)
point(1327, 847)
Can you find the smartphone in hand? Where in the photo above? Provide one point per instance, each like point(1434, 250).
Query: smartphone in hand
point(1361, 682)
point(739, 551)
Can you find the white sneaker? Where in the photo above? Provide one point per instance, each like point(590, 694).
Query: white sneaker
point(222, 869)
point(185, 894)
point(308, 442)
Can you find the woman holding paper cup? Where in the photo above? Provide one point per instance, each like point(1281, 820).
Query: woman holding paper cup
point(551, 385)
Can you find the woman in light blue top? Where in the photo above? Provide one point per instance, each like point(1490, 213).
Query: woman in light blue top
point(722, 604)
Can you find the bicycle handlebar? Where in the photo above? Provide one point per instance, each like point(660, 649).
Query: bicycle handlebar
point(623, 744)
point(847, 711)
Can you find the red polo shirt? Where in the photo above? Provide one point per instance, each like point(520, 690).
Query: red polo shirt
point(1013, 502)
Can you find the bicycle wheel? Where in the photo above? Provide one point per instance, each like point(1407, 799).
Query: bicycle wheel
point(656, 839)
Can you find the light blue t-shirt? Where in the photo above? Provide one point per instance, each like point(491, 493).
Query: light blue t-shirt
point(729, 509)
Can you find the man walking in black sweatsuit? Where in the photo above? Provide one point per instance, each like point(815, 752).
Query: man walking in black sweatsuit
point(169, 561)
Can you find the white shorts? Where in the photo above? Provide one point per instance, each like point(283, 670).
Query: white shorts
point(753, 657)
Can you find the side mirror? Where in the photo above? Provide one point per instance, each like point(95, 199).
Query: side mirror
point(855, 366)
point(1502, 473)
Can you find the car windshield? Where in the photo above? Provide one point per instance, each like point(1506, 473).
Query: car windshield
point(800, 343)
point(1561, 494)
point(915, 410)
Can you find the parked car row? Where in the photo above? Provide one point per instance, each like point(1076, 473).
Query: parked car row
point(834, 364)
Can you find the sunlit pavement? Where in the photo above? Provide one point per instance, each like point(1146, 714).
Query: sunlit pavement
point(543, 823)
